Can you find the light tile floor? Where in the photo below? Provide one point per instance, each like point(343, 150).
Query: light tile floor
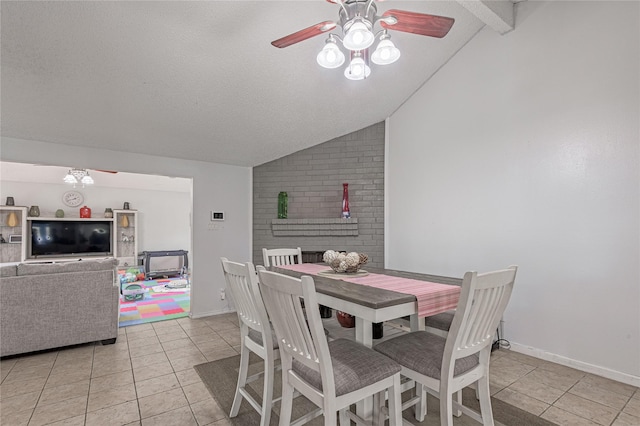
point(147, 378)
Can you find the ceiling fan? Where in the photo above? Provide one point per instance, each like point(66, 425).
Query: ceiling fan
point(357, 19)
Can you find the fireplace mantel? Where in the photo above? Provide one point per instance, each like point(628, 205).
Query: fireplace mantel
point(335, 227)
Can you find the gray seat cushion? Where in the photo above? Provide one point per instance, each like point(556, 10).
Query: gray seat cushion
point(257, 337)
point(441, 321)
point(422, 352)
point(354, 367)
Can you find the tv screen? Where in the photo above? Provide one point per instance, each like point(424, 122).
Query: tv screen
point(60, 238)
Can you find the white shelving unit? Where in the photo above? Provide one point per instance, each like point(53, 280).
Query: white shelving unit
point(13, 251)
point(125, 237)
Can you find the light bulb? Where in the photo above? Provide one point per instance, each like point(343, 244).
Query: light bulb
point(330, 56)
point(386, 52)
point(357, 69)
point(358, 36)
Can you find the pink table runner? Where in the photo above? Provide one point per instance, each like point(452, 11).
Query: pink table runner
point(433, 298)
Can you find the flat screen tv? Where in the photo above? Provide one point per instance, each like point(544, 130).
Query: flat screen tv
point(70, 238)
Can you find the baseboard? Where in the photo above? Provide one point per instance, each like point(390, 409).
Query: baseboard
point(578, 365)
point(209, 313)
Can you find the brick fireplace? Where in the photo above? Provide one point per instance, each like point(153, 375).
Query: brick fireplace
point(313, 181)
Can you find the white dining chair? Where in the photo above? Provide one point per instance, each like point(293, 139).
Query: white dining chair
point(281, 256)
point(256, 336)
point(446, 365)
point(440, 323)
point(332, 375)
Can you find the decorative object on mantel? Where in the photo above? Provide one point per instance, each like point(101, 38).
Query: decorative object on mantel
point(12, 219)
point(60, 213)
point(346, 214)
point(283, 201)
point(124, 221)
point(85, 212)
point(34, 211)
point(10, 201)
point(344, 263)
point(126, 206)
point(108, 213)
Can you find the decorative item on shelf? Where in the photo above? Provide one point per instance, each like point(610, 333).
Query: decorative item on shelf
point(346, 214)
point(108, 213)
point(124, 221)
point(344, 263)
point(60, 213)
point(126, 206)
point(34, 211)
point(12, 219)
point(85, 212)
point(10, 201)
point(283, 201)
point(346, 320)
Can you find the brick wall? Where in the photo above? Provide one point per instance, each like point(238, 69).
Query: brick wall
point(313, 181)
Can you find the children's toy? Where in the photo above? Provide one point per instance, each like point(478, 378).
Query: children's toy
point(134, 292)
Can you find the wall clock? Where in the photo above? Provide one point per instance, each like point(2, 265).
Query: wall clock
point(72, 198)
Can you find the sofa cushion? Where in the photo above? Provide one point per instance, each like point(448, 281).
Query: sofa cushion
point(8, 271)
point(57, 268)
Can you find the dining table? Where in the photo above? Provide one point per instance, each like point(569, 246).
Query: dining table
point(376, 295)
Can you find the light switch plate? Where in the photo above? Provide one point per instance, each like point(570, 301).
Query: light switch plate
point(217, 215)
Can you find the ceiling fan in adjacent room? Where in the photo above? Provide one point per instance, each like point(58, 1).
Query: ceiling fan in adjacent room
point(357, 19)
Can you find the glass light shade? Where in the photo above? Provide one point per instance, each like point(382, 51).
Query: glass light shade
point(87, 180)
point(330, 56)
point(69, 178)
point(358, 37)
point(357, 69)
point(386, 53)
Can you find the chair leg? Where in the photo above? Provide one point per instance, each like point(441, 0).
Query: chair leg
point(286, 403)
point(446, 407)
point(267, 391)
point(458, 413)
point(242, 380)
point(344, 417)
point(421, 406)
point(482, 388)
point(330, 418)
point(395, 403)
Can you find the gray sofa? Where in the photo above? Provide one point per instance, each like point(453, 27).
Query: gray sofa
point(50, 305)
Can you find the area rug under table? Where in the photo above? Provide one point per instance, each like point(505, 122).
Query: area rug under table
point(159, 303)
point(220, 378)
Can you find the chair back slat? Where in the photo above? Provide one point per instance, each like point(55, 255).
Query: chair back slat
point(242, 283)
point(483, 299)
point(300, 334)
point(283, 256)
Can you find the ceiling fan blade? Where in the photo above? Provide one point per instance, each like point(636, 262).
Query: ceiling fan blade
point(417, 23)
point(302, 35)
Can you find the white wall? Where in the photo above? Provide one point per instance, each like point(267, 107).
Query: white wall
point(215, 187)
point(524, 150)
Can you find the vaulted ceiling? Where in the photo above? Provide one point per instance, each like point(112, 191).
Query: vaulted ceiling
point(200, 80)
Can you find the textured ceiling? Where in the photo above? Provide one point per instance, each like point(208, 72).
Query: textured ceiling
point(199, 80)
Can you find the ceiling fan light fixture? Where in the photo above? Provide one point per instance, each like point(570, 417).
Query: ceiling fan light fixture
point(386, 53)
point(357, 69)
point(330, 56)
point(358, 36)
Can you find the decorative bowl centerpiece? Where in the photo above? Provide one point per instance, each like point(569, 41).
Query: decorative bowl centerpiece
point(344, 263)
